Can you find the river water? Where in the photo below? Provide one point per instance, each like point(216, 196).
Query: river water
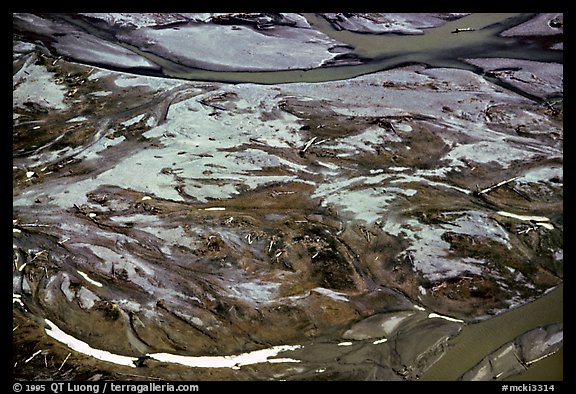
point(436, 47)
point(477, 340)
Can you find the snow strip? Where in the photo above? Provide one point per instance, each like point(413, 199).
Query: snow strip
point(431, 315)
point(85, 276)
point(84, 348)
point(234, 362)
point(523, 217)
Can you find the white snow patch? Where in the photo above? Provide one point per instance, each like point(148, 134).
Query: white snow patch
point(88, 279)
point(523, 217)
point(234, 362)
point(330, 293)
point(37, 86)
point(433, 315)
point(82, 347)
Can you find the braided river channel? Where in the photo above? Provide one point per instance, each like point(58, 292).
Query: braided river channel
point(287, 197)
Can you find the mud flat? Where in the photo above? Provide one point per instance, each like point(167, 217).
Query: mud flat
point(222, 42)
point(341, 230)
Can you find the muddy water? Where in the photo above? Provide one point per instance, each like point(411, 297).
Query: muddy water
point(477, 340)
point(436, 47)
point(483, 35)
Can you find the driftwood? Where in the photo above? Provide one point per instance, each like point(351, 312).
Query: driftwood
point(63, 362)
point(463, 29)
point(478, 193)
point(308, 144)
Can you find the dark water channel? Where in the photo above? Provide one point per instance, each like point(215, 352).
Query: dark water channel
point(436, 47)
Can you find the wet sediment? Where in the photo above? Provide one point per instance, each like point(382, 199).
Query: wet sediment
point(359, 225)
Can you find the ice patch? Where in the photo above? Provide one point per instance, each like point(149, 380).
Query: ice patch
point(523, 217)
point(133, 120)
point(82, 347)
point(234, 362)
point(37, 86)
point(77, 119)
point(488, 151)
point(368, 203)
point(153, 83)
point(219, 47)
point(89, 280)
point(330, 293)
point(433, 315)
point(429, 253)
point(255, 291)
point(559, 255)
point(101, 94)
point(543, 174)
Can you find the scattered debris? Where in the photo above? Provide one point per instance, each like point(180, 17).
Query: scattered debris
point(16, 298)
point(32, 356)
point(32, 225)
point(367, 233)
point(460, 30)
point(281, 193)
point(63, 362)
point(87, 211)
point(38, 254)
point(524, 217)
point(306, 146)
point(249, 238)
point(535, 221)
point(436, 315)
point(478, 193)
point(90, 280)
